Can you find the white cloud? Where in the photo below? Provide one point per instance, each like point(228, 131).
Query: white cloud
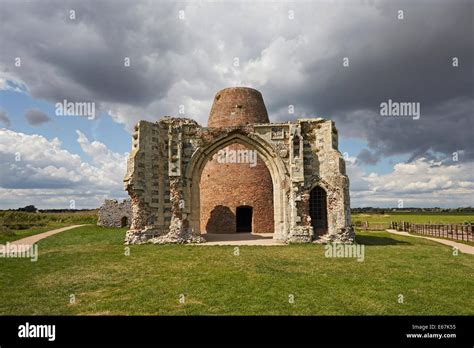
point(9, 82)
point(49, 176)
point(421, 183)
point(39, 171)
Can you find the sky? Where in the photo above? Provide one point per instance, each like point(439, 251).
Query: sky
point(141, 60)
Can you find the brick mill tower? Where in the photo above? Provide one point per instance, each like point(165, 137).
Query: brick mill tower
point(236, 194)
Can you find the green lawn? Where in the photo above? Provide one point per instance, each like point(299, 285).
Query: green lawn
point(422, 218)
point(89, 263)
point(15, 225)
point(19, 234)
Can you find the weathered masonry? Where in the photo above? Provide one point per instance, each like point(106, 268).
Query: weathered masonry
point(115, 214)
point(310, 188)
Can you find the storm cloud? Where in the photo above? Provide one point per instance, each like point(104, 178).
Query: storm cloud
point(294, 53)
point(4, 118)
point(36, 117)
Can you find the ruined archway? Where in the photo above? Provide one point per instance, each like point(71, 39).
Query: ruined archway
point(165, 167)
point(234, 177)
point(268, 156)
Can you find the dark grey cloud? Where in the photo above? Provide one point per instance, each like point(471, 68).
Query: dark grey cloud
point(293, 62)
point(36, 117)
point(4, 118)
point(367, 157)
point(406, 61)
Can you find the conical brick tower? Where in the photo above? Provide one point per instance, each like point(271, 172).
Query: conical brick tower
point(236, 197)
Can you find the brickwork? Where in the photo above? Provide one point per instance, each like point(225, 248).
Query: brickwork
point(225, 186)
point(237, 107)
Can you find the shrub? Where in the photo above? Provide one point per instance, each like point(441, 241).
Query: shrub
point(5, 231)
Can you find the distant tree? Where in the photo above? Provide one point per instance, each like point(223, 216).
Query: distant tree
point(29, 209)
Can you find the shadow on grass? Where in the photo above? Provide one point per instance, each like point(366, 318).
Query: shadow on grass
point(379, 240)
point(219, 237)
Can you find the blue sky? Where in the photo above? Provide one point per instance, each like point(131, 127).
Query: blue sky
point(103, 128)
point(114, 135)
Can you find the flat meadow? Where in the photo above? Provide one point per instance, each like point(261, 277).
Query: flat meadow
point(88, 271)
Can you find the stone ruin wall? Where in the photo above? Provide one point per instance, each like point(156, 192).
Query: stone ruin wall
point(160, 184)
point(112, 212)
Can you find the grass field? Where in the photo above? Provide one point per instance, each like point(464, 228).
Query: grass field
point(422, 218)
point(15, 225)
point(12, 235)
point(89, 263)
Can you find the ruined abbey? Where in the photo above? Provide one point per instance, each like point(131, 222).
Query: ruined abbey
point(241, 173)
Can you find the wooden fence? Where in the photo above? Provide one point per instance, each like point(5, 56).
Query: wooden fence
point(451, 231)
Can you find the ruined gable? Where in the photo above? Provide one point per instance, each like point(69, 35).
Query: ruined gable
point(115, 214)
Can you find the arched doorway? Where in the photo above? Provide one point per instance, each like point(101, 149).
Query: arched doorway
point(244, 218)
point(276, 167)
point(124, 221)
point(228, 183)
point(318, 210)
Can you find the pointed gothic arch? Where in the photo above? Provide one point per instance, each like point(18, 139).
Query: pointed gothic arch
point(265, 151)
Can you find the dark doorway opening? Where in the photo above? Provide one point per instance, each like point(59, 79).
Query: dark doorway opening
point(318, 210)
point(124, 221)
point(243, 219)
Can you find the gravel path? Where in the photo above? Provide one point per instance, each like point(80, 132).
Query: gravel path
point(27, 242)
point(239, 239)
point(460, 246)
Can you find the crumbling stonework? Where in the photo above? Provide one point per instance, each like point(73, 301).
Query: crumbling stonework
point(115, 214)
point(310, 185)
